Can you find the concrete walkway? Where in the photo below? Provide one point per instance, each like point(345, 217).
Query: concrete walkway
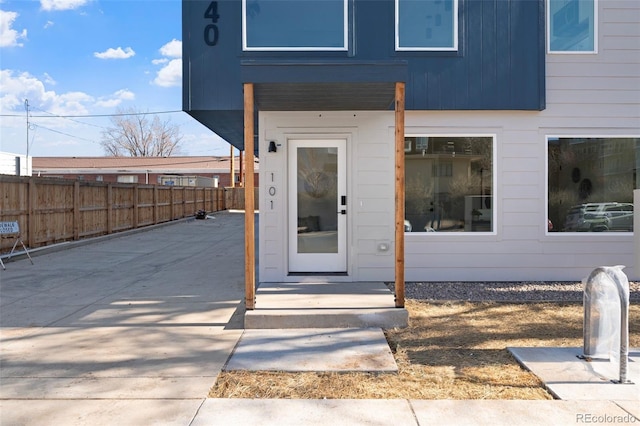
point(134, 329)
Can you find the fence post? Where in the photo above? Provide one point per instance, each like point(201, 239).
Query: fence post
point(109, 208)
point(76, 210)
point(173, 202)
point(32, 200)
point(184, 201)
point(135, 206)
point(155, 204)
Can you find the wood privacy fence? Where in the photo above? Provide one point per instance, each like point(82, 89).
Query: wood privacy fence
point(55, 210)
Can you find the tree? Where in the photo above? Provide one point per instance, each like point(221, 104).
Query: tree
point(134, 135)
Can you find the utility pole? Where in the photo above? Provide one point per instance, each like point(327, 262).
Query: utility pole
point(26, 107)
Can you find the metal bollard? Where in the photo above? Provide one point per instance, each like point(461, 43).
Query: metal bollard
point(607, 284)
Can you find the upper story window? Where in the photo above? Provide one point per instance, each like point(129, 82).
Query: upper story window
point(426, 24)
point(572, 26)
point(290, 25)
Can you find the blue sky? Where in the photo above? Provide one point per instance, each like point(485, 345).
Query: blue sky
point(77, 61)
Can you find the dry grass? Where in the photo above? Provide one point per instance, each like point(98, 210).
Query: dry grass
point(449, 351)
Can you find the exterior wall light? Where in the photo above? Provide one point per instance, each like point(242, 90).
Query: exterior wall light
point(272, 146)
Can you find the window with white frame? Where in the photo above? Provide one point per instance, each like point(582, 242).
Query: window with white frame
point(127, 179)
point(426, 24)
point(281, 25)
point(572, 26)
point(449, 183)
point(591, 182)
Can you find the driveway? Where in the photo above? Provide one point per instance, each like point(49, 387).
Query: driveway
point(127, 329)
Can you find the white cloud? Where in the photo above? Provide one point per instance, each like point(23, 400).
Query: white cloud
point(173, 49)
point(118, 53)
point(8, 36)
point(49, 24)
point(116, 99)
point(125, 95)
point(170, 75)
point(15, 88)
point(62, 4)
point(49, 80)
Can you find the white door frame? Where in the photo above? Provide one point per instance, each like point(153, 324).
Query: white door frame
point(317, 262)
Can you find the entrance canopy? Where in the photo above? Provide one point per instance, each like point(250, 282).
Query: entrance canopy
point(308, 86)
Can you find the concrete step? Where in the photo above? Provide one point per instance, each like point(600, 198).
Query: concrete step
point(325, 305)
point(313, 349)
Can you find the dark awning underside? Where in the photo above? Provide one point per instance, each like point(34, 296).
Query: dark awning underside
point(298, 86)
point(324, 96)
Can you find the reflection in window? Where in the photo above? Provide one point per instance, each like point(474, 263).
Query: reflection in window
point(295, 25)
point(317, 195)
point(591, 183)
point(426, 24)
point(572, 25)
point(449, 184)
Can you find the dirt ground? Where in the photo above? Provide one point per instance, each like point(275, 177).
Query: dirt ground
point(449, 351)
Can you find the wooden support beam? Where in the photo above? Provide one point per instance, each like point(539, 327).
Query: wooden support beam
point(232, 171)
point(400, 183)
point(241, 177)
point(249, 204)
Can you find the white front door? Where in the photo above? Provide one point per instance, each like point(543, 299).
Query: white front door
point(317, 205)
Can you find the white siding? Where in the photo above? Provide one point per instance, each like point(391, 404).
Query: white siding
point(587, 94)
point(370, 181)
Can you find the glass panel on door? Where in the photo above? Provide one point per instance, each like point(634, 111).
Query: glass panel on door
point(317, 200)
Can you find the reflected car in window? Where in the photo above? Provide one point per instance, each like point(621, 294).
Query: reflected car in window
point(600, 217)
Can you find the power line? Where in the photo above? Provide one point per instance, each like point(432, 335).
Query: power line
point(93, 115)
point(62, 133)
point(67, 118)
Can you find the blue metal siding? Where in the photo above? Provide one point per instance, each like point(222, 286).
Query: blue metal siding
point(212, 73)
point(499, 64)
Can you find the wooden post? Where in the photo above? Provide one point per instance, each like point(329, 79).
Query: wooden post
point(76, 210)
point(249, 208)
point(400, 183)
point(173, 202)
point(110, 209)
point(232, 171)
point(241, 176)
point(31, 212)
point(135, 206)
point(155, 204)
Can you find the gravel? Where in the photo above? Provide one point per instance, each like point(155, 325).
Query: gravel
point(523, 291)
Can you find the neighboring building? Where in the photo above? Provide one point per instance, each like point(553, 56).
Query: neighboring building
point(179, 171)
point(15, 164)
point(517, 112)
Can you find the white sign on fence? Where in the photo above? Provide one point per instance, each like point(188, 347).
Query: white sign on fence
point(9, 228)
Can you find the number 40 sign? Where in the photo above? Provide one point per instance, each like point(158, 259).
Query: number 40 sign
point(211, 32)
